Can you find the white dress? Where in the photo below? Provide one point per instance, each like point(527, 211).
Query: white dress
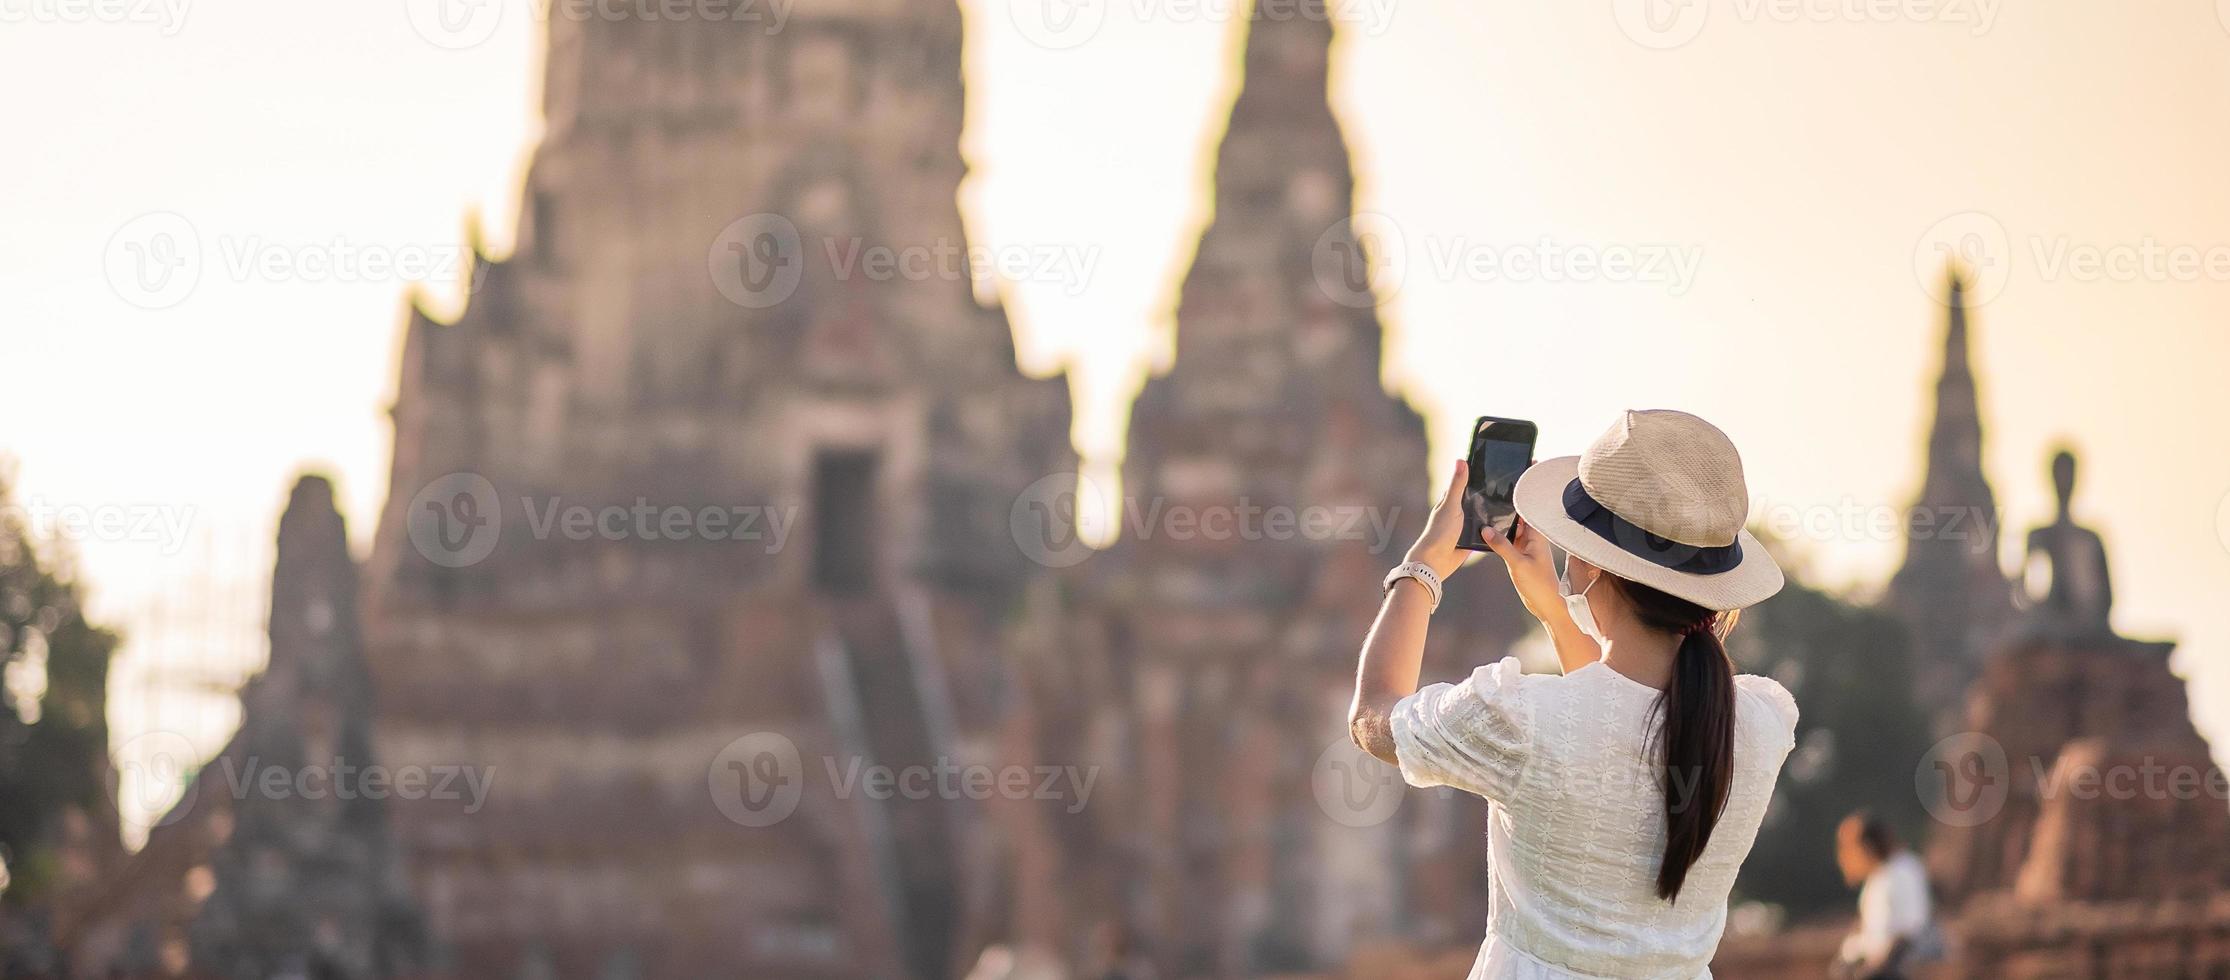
point(1578, 823)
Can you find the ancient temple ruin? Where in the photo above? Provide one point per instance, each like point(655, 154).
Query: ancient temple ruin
point(244, 877)
point(889, 579)
point(1950, 589)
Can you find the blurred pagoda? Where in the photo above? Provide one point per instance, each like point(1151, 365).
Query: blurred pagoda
point(1950, 590)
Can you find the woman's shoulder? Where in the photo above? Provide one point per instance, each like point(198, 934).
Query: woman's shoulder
point(1764, 698)
point(1505, 678)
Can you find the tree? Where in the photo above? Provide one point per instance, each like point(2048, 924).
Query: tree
point(57, 820)
point(1858, 737)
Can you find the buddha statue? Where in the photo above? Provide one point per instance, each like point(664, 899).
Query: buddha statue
point(2065, 577)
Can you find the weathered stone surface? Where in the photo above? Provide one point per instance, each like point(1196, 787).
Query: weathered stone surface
point(679, 329)
point(250, 879)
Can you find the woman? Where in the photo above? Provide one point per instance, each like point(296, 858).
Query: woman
point(1625, 792)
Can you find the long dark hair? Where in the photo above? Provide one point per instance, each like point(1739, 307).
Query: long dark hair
point(1696, 743)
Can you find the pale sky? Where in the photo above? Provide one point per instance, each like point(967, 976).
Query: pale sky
point(1780, 174)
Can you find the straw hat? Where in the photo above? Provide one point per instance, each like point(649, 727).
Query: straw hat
point(1658, 499)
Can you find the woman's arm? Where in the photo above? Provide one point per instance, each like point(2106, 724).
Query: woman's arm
point(1395, 650)
point(1392, 656)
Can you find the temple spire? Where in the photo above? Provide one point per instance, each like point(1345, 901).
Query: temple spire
point(1950, 589)
point(1284, 191)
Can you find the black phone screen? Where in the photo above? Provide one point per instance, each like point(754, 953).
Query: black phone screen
point(1501, 449)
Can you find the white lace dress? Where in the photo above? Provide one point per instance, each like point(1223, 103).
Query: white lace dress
point(1578, 823)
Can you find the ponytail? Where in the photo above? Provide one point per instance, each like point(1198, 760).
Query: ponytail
point(1696, 740)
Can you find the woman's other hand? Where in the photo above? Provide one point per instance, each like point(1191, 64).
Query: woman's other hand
point(1436, 547)
point(1532, 565)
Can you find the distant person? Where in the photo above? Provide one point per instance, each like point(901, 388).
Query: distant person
point(1895, 919)
point(1625, 792)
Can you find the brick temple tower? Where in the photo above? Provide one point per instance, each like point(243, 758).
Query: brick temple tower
point(675, 336)
point(241, 878)
point(1950, 589)
point(1232, 645)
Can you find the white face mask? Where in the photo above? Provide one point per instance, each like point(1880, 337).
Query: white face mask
point(1576, 604)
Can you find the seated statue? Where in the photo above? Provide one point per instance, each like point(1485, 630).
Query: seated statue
point(2066, 573)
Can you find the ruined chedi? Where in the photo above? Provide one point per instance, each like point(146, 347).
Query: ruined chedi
point(1232, 656)
point(1950, 590)
point(673, 333)
point(244, 877)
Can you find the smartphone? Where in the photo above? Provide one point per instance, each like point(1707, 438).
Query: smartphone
point(1501, 449)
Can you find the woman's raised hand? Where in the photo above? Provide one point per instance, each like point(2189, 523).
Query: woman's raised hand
point(1532, 565)
point(1436, 546)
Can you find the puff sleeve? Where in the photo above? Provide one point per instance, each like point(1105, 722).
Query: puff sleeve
point(1474, 735)
point(1779, 707)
